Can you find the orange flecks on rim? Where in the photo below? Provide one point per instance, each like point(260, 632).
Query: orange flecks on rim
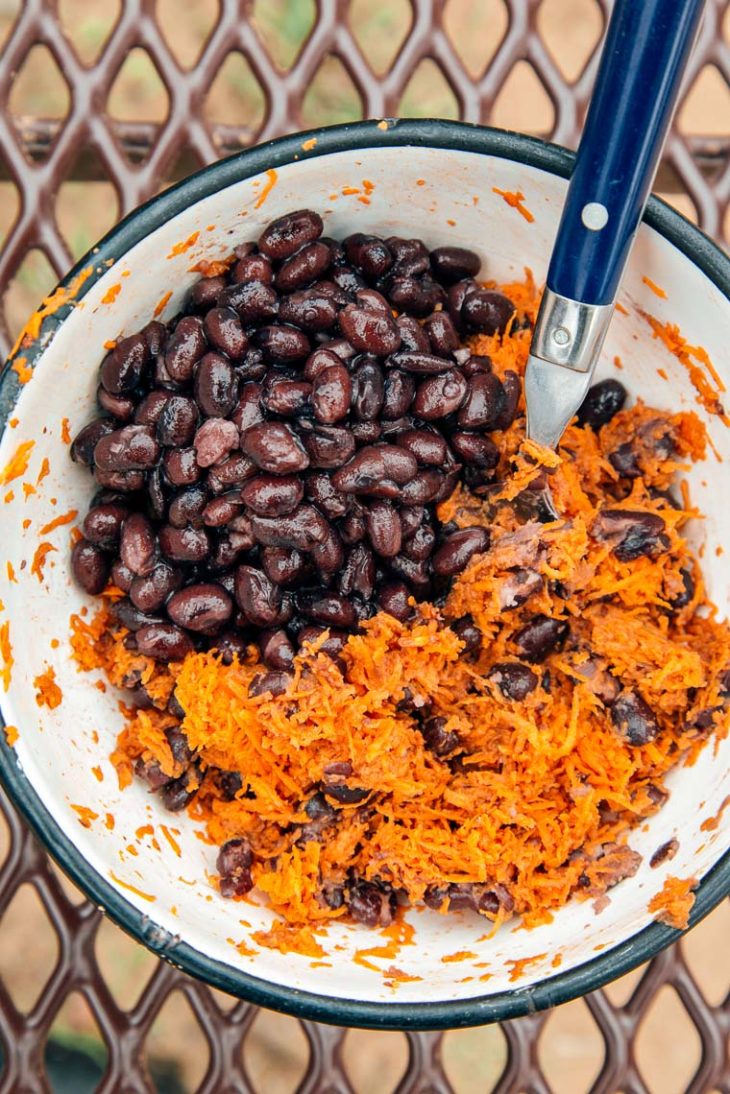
point(97, 773)
point(171, 840)
point(58, 298)
point(85, 815)
point(109, 821)
point(65, 431)
point(162, 303)
point(48, 693)
point(673, 904)
point(39, 559)
point(132, 888)
point(112, 293)
point(65, 518)
point(11, 572)
point(515, 199)
point(289, 939)
point(460, 955)
point(271, 180)
point(212, 267)
point(400, 933)
point(11, 735)
point(45, 469)
point(708, 395)
point(184, 245)
point(654, 288)
point(307, 146)
point(22, 368)
point(712, 823)
point(518, 966)
point(17, 465)
point(621, 309)
point(6, 654)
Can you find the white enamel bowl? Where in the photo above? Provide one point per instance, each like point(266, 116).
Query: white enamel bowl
point(433, 180)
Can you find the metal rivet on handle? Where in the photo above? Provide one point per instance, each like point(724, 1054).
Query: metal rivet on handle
point(594, 216)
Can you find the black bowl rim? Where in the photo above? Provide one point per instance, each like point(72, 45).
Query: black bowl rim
point(514, 1003)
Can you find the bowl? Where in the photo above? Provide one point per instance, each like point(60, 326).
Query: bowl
point(447, 183)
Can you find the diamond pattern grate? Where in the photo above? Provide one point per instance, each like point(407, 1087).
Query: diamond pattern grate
point(79, 109)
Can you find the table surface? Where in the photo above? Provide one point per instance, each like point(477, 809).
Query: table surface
point(103, 105)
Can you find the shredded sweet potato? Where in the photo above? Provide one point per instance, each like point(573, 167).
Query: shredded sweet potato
point(675, 902)
point(535, 799)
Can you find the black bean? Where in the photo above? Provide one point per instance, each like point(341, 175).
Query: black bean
point(163, 642)
point(122, 481)
point(344, 794)
point(420, 545)
point(634, 719)
point(329, 555)
point(439, 396)
point(149, 410)
point(177, 422)
point(86, 440)
point(286, 397)
point(253, 267)
point(274, 447)
point(216, 386)
point(131, 448)
point(369, 331)
point(285, 235)
point(271, 683)
point(131, 617)
point(366, 432)
point(281, 343)
point(514, 680)
point(399, 389)
point(475, 449)
point(625, 460)
point(224, 330)
point(681, 600)
point(273, 495)
point(411, 517)
point(149, 592)
point(257, 596)
point(156, 493)
point(276, 649)
point(329, 446)
point(458, 549)
point(454, 263)
point(540, 637)
point(302, 529)
point(602, 403)
point(120, 407)
point(438, 739)
point(155, 335)
point(466, 629)
point(103, 524)
point(472, 363)
point(484, 402)
point(137, 547)
point(215, 439)
point(222, 510)
point(384, 528)
point(393, 597)
point(331, 609)
point(331, 394)
point(121, 370)
point(368, 253)
point(358, 573)
point(320, 490)
point(512, 387)
point(333, 644)
point(230, 645)
point(487, 311)
point(234, 471)
point(415, 295)
point(423, 363)
point(370, 904)
point(185, 348)
point(304, 267)
point(634, 533)
point(518, 587)
point(200, 607)
point(184, 544)
point(348, 280)
point(254, 301)
point(90, 566)
point(249, 409)
point(187, 507)
point(442, 333)
point(413, 335)
point(204, 293)
point(180, 466)
point(234, 862)
point(371, 465)
point(411, 256)
point(283, 565)
point(450, 479)
point(310, 309)
point(416, 574)
point(424, 487)
point(121, 576)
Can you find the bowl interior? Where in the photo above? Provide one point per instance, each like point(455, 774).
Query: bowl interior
point(444, 196)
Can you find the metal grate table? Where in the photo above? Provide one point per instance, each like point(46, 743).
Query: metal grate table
point(332, 60)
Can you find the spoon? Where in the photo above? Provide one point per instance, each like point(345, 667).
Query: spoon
point(647, 47)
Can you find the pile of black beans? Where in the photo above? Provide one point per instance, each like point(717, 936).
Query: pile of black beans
point(269, 461)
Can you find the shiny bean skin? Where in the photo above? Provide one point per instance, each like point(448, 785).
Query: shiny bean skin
point(330, 609)
point(273, 495)
point(287, 397)
point(254, 301)
point(514, 680)
point(484, 402)
point(398, 392)
point(271, 683)
point(475, 449)
point(124, 481)
point(634, 719)
point(90, 566)
point(200, 607)
point(384, 528)
point(366, 432)
point(276, 649)
point(204, 293)
point(411, 257)
point(411, 517)
point(393, 598)
point(439, 396)
point(187, 507)
point(329, 555)
point(249, 408)
point(458, 549)
point(474, 364)
point(282, 237)
point(416, 574)
point(283, 344)
point(319, 360)
point(215, 439)
point(421, 544)
point(103, 524)
point(120, 407)
point(303, 528)
point(452, 264)
point(540, 636)
point(156, 493)
point(358, 573)
point(258, 597)
point(307, 265)
point(455, 298)
point(466, 629)
point(131, 448)
point(185, 348)
point(275, 447)
point(137, 546)
point(121, 370)
point(220, 511)
point(413, 336)
point(371, 465)
point(487, 311)
point(177, 422)
point(369, 254)
point(283, 565)
point(86, 440)
point(329, 446)
point(224, 331)
point(369, 331)
point(321, 491)
point(149, 410)
point(352, 528)
point(121, 576)
point(253, 268)
point(423, 487)
point(416, 296)
point(442, 333)
point(348, 280)
point(602, 403)
point(184, 544)
point(163, 642)
point(420, 363)
point(155, 335)
point(331, 394)
point(148, 593)
point(429, 449)
point(234, 471)
point(333, 644)
point(310, 309)
point(512, 388)
point(180, 466)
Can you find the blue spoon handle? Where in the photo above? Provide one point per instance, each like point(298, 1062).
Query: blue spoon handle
point(644, 56)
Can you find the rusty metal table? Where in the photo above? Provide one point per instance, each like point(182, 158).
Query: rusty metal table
point(37, 153)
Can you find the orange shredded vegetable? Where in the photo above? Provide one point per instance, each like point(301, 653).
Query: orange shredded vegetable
point(675, 902)
point(18, 463)
point(48, 693)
